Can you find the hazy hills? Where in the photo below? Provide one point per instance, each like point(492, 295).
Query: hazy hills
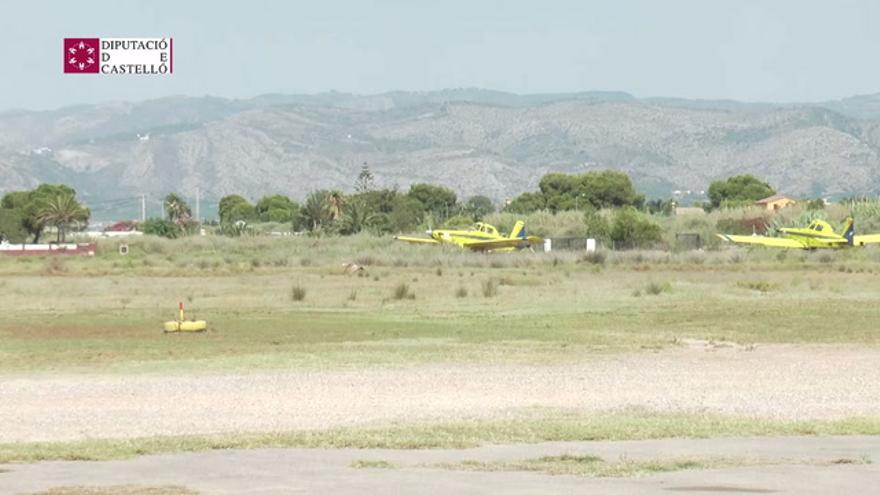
point(474, 141)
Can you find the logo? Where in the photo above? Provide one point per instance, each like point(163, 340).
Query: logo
point(82, 55)
point(112, 56)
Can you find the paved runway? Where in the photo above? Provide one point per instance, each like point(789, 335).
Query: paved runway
point(284, 471)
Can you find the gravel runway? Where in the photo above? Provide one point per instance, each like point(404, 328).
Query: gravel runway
point(784, 381)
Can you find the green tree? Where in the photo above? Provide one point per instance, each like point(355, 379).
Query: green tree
point(336, 200)
point(609, 189)
point(738, 189)
point(29, 204)
point(631, 229)
point(317, 210)
point(63, 212)
point(478, 207)
point(377, 200)
point(526, 203)
point(176, 209)
point(358, 218)
point(15, 200)
point(405, 215)
point(660, 206)
point(365, 179)
point(599, 189)
point(12, 225)
point(458, 222)
point(161, 227)
point(276, 208)
point(597, 226)
point(228, 204)
point(437, 200)
point(559, 191)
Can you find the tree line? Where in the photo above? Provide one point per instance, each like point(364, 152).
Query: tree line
point(386, 210)
point(27, 214)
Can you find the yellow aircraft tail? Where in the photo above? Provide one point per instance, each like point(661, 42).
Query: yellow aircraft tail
point(849, 230)
point(518, 230)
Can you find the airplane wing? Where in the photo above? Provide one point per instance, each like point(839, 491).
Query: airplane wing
point(861, 240)
point(503, 243)
point(761, 240)
point(417, 240)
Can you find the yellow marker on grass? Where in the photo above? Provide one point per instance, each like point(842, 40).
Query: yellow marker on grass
point(181, 325)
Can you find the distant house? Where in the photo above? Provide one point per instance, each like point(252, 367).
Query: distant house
point(776, 202)
point(123, 226)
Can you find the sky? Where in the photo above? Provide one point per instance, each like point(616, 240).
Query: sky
point(780, 51)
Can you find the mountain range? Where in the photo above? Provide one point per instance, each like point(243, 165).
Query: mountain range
point(472, 140)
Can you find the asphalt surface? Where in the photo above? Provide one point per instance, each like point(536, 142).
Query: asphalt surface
point(285, 471)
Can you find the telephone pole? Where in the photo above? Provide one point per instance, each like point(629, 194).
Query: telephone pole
point(143, 207)
point(198, 198)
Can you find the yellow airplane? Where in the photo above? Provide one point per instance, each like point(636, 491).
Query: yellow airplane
point(818, 234)
point(480, 237)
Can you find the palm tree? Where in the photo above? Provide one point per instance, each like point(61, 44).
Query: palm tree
point(177, 209)
point(317, 209)
point(337, 204)
point(358, 217)
point(62, 211)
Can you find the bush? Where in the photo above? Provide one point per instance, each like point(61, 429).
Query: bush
point(461, 292)
point(297, 293)
point(631, 229)
point(161, 227)
point(742, 226)
point(597, 225)
point(458, 222)
point(594, 258)
point(656, 288)
point(235, 229)
point(12, 226)
point(758, 285)
point(402, 291)
point(490, 288)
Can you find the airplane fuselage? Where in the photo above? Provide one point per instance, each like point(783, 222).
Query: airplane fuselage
point(813, 238)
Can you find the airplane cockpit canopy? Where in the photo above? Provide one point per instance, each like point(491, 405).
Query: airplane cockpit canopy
point(486, 228)
point(820, 226)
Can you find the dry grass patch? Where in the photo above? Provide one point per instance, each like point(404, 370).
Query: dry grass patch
point(596, 467)
point(118, 490)
point(372, 464)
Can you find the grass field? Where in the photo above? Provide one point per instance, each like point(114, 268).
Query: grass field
point(287, 304)
point(278, 303)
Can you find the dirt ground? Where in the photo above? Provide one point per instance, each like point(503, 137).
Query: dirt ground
point(781, 381)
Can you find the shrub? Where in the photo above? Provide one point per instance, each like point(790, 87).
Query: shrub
point(297, 293)
point(402, 291)
point(161, 228)
point(366, 260)
point(490, 288)
point(461, 292)
point(742, 226)
point(631, 229)
point(758, 285)
point(656, 288)
point(593, 258)
point(597, 225)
